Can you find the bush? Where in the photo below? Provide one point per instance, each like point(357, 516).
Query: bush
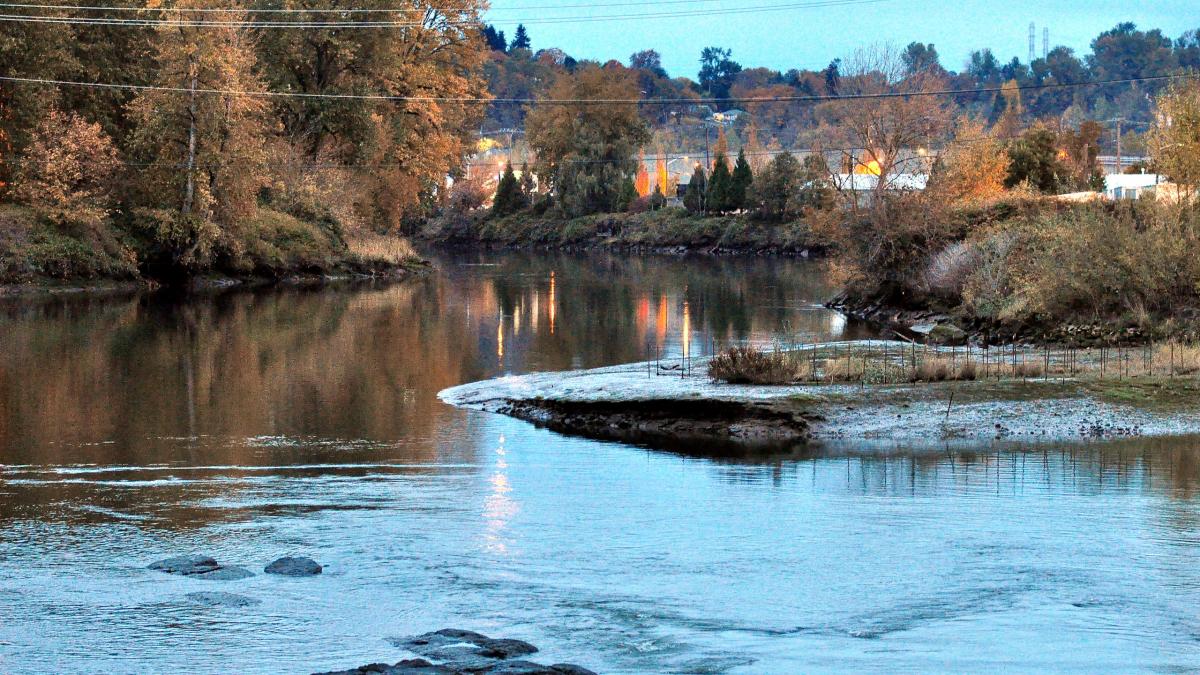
point(31, 247)
point(750, 365)
point(69, 170)
point(1102, 261)
point(886, 253)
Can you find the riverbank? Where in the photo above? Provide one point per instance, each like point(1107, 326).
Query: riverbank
point(634, 403)
point(1023, 269)
point(667, 230)
point(956, 326)
point(40, 255)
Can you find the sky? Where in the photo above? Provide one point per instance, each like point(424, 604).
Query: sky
point(810, 36)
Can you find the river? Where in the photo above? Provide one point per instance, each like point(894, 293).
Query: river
point(254, 424)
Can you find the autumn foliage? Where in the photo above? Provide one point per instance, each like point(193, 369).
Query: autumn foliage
point(69, 169)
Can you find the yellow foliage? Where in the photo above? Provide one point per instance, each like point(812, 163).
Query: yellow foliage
point(973, 166)
point(69, 169)
point(662, 178)
point(642, 182)
point(1175, 139)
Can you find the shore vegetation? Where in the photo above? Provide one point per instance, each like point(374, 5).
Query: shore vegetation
point(197, 171)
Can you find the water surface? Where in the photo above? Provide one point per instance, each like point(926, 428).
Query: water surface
point(250, 425)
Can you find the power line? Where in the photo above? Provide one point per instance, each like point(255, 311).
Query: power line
point(540, 20)
point(582, 101)
point(487, 163)
point(348, 10)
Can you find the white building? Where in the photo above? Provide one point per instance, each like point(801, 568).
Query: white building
point(1130, 185)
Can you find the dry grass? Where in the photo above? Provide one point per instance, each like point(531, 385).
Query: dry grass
point(1175, 358)
point(875, 366)
point(861, 368)
point(382, 249)
point(750, 365)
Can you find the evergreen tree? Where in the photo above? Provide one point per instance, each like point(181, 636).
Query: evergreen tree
point(495, 39)
point(527, 187)
point(1034, 158)
point(627, 195)
point(777, 187)
point(694, 198)
point(508, 194)
point(743, 177)
point(658, 199)
point(520, 40)
point(720, 186)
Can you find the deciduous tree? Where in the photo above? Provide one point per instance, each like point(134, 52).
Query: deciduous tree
point(68, 170)
point(204, 151)
point(717, 70)
point(585, 152)
point(888, 129)
point(973, 166)
point(407, 147)
point(1175, 139)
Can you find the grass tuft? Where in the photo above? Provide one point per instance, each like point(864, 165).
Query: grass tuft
point(750, 365)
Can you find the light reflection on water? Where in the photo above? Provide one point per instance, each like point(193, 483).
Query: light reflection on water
point(254, 425)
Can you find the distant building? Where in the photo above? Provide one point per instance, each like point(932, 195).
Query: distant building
point(867, 183)
point(1130, 185)
point(1114, 164)
point(729, 117)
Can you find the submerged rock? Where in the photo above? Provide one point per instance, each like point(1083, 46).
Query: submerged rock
point(201, 567)
point(221, 599)
point(454, 651)
point(294, 567)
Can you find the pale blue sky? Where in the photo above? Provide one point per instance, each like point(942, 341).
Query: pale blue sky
point(810, 37)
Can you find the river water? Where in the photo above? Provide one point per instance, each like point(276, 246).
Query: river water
point(250, 425)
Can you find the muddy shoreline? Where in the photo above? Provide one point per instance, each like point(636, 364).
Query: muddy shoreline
point(717, 426)
point(697, 416)
point(601, 245)
point(203, 284)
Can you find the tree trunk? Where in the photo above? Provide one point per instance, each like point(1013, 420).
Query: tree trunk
point(189, 195)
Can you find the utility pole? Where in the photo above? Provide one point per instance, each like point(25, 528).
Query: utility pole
point(707, 159)
point(1119, 121)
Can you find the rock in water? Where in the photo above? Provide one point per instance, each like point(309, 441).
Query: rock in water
point(465, 652)
point(506, 649)
point(186, 565)
point(408, 667)
point(294, 567)
point(201, 567)
point(225, 573)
